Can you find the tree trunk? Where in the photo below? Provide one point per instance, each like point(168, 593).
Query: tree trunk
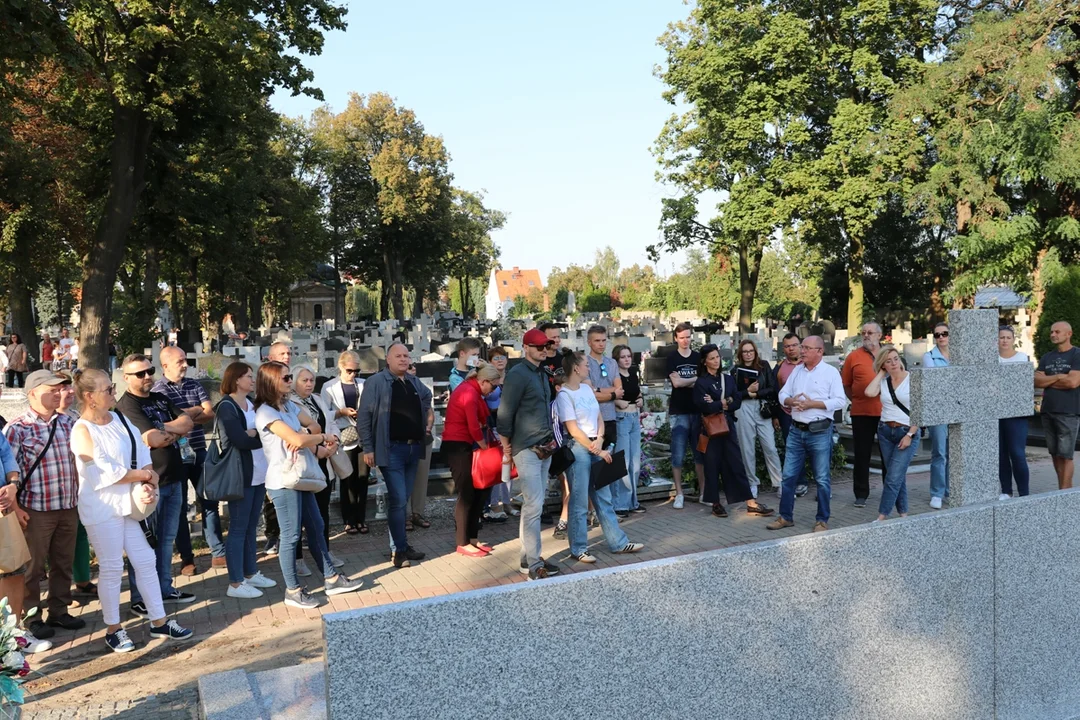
point(418, 302)
point(465, 290)
point(61, 319)
point(190, 318)
point(20, 304)
point(131, 137)
point(175, 304)
point(855, 285)
point(384, 298)
point(749, 268)
point(1039, 291)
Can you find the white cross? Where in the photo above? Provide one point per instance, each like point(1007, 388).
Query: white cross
point(970, 396)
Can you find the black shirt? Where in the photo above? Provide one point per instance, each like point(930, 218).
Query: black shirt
point(406, 419)
point(682, 399)
point(631, 386)
point(151, 413)
point(552, 367)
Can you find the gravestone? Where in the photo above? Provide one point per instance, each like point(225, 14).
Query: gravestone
point(970, 396)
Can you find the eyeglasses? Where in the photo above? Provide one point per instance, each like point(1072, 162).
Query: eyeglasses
point(287, 378)
point(143, 373)
point(941, 334)
point(111, 389)
point(748, 351)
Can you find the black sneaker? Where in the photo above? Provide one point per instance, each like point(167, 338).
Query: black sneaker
point(139, 609)
point(413, 554)
point(719, 511)
point(622, 514)
point(171, 630)
point(860, 502)
point(39, 629)
point(560, 531)
point(179, 597)
point(639, 510)
point(66, 621)
point(119, 642)
point(549, 568)
point(399, 560)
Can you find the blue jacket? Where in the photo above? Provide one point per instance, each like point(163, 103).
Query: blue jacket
point(7, 459)
point(373, 416)
point(934, 358)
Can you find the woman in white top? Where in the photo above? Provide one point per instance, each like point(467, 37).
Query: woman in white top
point(235, 423)
point(1012, 432)
point(342, 396)
point(579, 413)
point(285, 430)
point(898, 439)
point(110, 456)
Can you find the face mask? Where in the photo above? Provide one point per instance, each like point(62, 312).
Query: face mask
point(471, 361)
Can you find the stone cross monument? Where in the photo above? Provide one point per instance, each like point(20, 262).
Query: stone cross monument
point(970, 396)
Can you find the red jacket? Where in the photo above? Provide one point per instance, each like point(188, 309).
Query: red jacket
point(466, 414)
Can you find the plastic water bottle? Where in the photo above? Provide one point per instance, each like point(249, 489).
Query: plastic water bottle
point(506, 473)
point(186, 453)
point(380, 497)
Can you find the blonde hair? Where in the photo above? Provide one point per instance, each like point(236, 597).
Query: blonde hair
point(347, 355)
point(486, 371)
point(883, 355)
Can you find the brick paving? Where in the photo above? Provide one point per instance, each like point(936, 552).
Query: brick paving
point(81, 679)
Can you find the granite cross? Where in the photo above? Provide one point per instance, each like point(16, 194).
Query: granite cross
point(970, 396)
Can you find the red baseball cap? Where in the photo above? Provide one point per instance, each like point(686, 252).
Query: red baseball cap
point(536, 338)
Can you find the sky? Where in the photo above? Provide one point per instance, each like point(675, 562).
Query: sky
point(551, 109)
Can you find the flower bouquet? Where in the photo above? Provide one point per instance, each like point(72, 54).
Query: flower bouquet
point(13, 666)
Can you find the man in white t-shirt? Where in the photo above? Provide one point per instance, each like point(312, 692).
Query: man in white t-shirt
point(65, 342)
point(814, 391)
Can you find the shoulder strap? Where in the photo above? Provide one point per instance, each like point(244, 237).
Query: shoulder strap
point(895, 400)
point(48, 443)
point(134, 447)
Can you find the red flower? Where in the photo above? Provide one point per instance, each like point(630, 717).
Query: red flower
point(21, 642)
point(25, 669)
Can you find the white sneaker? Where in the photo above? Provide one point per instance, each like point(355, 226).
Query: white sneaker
point(678, 504)
point(1003, 496)
point(335, 560)
point(244, 591)
point(33, 645)
point(258, 580)
point(302, 568)
point(935, 502)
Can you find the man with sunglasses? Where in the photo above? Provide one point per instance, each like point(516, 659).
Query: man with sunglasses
point(47, 490)
point(939, 434)
point(162, 424)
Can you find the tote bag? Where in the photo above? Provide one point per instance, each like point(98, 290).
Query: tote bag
point(223, 471)
point(140, 510)
point(13, 550)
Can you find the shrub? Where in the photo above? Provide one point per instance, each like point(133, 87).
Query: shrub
point(1062, 302)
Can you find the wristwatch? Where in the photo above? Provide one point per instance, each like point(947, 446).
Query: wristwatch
point(913, 433)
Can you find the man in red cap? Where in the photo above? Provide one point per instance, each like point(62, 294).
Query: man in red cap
point(527, 438)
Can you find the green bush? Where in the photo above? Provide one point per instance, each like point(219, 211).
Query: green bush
point(1062, 302)
point(663, 434)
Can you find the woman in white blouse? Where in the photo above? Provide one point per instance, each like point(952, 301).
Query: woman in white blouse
point(110, 457)
point(898, 439)
point(1012, 432)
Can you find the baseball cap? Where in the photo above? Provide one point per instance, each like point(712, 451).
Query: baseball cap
point(44, 377)
point(535, 338)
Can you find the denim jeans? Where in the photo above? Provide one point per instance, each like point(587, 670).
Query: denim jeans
point(399, 473)
point(211, 516)
point(1012, 462)
point(939, 460)
point(896, 461)
point(818, 447)
point(532, 479)
point(240, 546)
point(165, 521)
point(624, 492)
point(291, 507)
point(684, 430)
point(577, 526)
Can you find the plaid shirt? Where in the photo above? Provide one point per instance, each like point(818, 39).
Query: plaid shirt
point(54, 484)
point(187, 393)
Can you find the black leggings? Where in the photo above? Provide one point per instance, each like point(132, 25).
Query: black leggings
point(470, 501)
point(354, 490)
point(13, 375)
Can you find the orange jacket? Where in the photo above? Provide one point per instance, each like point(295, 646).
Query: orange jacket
point(856, 374)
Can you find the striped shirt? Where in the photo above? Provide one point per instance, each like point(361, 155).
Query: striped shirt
point(187, 393)
point(55, 483)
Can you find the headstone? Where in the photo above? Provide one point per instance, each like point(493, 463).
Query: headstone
point(970, 396)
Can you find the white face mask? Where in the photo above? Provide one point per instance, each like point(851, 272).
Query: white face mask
point(471, 361)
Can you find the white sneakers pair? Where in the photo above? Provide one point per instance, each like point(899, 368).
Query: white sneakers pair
point(250, 588)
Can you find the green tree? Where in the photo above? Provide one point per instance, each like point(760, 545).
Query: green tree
point(1062, 302)
point(472, 253)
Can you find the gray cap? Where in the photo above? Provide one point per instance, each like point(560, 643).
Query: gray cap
point(44, 377)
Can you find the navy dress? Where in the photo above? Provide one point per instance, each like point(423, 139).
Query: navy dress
point(723, 461)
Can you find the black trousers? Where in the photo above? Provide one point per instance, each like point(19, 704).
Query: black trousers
point(13, 375)
point(470, 501)
point(723, 462)
point(354, 490)
point(864, 436)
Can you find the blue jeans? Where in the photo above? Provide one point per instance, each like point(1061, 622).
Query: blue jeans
point(211, 516)
point(577, 526)
point(939, 460)
point(164, 522)
point(399, 473)
point(240, 547)
point(684, 429)
point(629, 427)
point(291, 506)
point(896, 463)
point(532, 479)
point(818, 447)
point(1012, 462)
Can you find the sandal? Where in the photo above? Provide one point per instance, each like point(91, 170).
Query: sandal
point(351, 530)
point(87, 590)
point(420, 520)
point(409, 524)
point(363, 529)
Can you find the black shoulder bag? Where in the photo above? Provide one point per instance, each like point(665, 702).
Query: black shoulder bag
point(895, 400)
point(37, 462)
point(147, 528)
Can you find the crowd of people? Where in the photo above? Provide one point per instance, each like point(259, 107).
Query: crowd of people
point(83, 468)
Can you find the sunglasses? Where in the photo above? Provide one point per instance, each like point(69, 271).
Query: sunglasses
point(603, 371)
point(941, 334)
point(350, 371)
point(111, 389)
point(141, 374)
point(287, 378)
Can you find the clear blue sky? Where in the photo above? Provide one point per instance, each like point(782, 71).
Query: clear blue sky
point(550, 108)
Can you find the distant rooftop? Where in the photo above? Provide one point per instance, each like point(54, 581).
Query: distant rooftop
point(998, 296)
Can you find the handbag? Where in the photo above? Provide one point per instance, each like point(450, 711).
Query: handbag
point(222, 477)
point(714, 425)
point(487, 467)
point(301, 472)
point(140, 510)
point(561, 460)
point(14, 552)
point(349, 435)
point(340, 461)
